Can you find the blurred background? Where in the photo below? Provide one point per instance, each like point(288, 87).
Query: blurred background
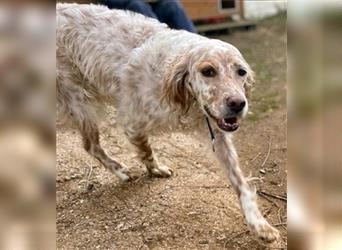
point(315, 125)
point(27, 115)
point(27, 126)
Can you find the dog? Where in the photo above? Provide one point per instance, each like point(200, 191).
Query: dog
point(157, 78)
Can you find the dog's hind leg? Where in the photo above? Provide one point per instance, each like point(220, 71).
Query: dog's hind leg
point(91, 143)
point(145, 154)
point(73, 103)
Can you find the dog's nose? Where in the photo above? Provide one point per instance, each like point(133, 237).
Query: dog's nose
point(236, 104)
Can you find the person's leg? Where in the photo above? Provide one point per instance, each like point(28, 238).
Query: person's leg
point(172, 13)
point(115, 4)
point(133, 5)
point(141, 7)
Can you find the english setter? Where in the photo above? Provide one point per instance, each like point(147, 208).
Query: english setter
point(157, 78)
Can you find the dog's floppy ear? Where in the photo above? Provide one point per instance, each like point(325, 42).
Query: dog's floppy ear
point(249, 83)
point(177, 89)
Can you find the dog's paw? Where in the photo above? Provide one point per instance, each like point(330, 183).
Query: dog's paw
point(160, 171)
point(126, 174)
point(268, 235)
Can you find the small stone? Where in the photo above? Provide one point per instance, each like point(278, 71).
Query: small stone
point(274, 183)
point(90, 187)
point(203, 242)
point(263, 171)
point(74, 176)
point(148, 238)
point(220, 238)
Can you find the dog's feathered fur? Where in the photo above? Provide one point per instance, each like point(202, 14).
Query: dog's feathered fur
point(152, 75)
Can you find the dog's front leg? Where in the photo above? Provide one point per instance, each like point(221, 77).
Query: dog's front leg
point(226, 153)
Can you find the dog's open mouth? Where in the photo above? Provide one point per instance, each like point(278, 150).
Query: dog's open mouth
point(226, 124)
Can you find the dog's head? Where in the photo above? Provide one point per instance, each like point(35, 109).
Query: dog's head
point(216, 76)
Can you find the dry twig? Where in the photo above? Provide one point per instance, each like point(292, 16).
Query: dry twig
point(273, 195)
point(279, 217)
point(235, 236)
point(268, 199)
point(88, 177)
point(256, 157)
point(280, 224)
point(268, 153)
point(267, 212)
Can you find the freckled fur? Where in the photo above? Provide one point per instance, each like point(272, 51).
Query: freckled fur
point(151, 74)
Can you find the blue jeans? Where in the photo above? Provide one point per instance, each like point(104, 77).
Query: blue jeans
point(170, 12)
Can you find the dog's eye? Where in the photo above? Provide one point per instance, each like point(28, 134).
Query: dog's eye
point(208, 72)
point(242, 72)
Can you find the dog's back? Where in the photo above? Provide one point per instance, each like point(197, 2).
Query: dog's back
point(93, 44)
point(87, 35)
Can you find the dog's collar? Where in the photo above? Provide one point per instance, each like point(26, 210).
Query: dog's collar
point(211, 132)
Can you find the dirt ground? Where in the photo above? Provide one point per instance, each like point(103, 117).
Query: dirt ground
point(196, 208)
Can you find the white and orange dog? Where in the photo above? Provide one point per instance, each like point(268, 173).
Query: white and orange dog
point(157, 78)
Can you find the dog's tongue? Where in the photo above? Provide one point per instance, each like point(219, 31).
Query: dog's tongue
point(228, 124)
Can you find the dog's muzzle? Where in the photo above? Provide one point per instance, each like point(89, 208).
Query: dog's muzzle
point(228, 124)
